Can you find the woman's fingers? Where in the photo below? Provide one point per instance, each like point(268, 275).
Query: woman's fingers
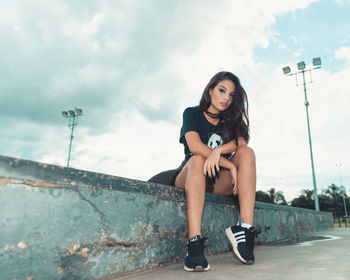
point(211, 165)
point(213, 170)
point(206, 169)
point(234, 180)
point(209, 168)
point(217, 166)
point(235, 191)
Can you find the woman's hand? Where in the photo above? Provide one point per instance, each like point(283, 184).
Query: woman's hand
point(233, 175)
point(212, 163)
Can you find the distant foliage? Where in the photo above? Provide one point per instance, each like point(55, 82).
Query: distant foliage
point(331, 200)
point(305, 200)
point(271, 196)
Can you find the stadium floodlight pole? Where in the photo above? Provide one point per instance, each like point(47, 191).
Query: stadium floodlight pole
point(342, 188)
point(344, 201)
point(73, 122)
point(302, 69)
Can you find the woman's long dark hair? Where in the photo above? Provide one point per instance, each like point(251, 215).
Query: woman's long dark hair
point(235, 117)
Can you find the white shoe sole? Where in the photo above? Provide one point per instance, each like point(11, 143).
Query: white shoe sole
point(197, 269)
point(234, 244)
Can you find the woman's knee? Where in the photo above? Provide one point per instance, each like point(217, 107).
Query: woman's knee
point(245, 153)
point(196, 162)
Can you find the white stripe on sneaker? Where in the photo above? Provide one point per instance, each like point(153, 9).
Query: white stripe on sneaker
point(238, 239)
point(233, 239)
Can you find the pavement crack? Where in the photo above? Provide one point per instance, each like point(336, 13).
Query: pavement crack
point(31, 183)
point(96, 209)
point(121, 243)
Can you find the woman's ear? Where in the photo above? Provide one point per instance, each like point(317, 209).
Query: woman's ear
point(210, 91)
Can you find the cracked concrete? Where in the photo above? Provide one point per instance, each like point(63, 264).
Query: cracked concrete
point(74, 224)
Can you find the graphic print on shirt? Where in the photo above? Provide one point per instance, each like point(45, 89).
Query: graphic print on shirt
point(214, 141)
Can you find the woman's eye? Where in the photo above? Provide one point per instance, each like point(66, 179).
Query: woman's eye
point(221, 90)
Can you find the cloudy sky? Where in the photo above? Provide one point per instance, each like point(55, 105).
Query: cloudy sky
point(133, 66)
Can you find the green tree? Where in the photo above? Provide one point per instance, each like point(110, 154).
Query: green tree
point(263, 197)
point(271, 196)
point(277, 196)
point(336, 202)
point(331, 200)
point(305, 200)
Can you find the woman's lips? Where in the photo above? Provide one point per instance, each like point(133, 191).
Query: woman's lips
point(223, 104)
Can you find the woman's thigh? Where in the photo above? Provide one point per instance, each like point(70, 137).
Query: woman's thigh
point(196, 163)
point(181, 177)
point(223, 184)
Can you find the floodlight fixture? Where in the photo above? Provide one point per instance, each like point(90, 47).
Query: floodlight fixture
point(301, 70)
point(79, 111)
point(72, 115)
point(316, 61)
point(301, 65)
point(286, 70)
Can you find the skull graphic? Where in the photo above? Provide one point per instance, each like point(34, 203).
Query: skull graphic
point(214, 141)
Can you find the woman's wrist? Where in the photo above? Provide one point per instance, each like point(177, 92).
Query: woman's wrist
point(219, 150)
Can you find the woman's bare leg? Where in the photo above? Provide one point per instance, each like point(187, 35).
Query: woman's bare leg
point(244, 159)
point(194, 184)
point(193, 180)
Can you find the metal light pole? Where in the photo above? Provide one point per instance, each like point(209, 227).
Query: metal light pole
point(344, 201)
point(342, 188)
point(73, 122)
point(301, 69)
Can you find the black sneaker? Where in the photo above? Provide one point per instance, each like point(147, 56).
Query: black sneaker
point(242, 240)
point(250, 236)
point(195, 259)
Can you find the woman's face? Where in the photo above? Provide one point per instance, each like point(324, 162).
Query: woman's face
point(221, 96)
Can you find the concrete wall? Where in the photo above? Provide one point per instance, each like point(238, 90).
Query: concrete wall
point(62, 223)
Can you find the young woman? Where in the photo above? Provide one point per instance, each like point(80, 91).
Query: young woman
point(215, 136)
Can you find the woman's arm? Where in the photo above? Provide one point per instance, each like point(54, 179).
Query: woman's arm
point(231, 147)
point(227, 148)
point(213, 160)
point(197, 147)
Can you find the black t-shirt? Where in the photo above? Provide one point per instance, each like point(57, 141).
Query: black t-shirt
point(194, 120)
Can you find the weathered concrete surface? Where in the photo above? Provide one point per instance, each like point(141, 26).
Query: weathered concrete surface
point(62, 223)
point(321, 260)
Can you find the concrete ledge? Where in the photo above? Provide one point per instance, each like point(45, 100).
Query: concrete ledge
point(63, 223)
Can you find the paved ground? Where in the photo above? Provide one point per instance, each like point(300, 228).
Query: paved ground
point(321, 259)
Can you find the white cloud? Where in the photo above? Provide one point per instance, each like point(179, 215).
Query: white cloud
point(76, 51)
point(138, 149)
point(297, 53)
point(133, 66)
point(342, 2)
point(343, 53)
point(279, 130)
